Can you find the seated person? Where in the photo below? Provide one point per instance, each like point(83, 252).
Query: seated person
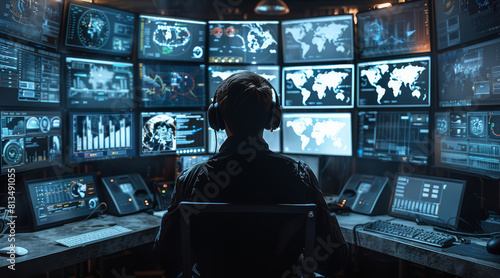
point(246, 171)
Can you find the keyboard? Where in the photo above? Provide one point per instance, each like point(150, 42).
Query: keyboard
point(84, 239)
point(432, 238)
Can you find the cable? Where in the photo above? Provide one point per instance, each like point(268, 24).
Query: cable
point(91, 213)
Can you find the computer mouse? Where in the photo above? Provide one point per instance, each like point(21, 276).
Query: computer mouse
point(20, 251)
point(493, 246)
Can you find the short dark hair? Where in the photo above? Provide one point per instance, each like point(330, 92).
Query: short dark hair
point(245, 101)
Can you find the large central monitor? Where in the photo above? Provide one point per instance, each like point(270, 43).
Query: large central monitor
point(164, 38)
point(28, 76)
point(166, 133)
point(99, 84)
point(218, 73)
point(57, 201)
point(37, 21)
point(459, 22)
point(468, 141)
point(394, 136)
point(431, 200)
point(247, 42)
point(319, 39)
point(401, 29)
point(101, 135)
point(329, 86)
point(317, 133)
point(30, 140)
point(99, 29)
point(395, 83)
point(470, 75)
point(166, 85)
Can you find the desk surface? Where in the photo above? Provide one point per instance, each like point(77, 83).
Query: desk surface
point(45, 255)
point(423, 254)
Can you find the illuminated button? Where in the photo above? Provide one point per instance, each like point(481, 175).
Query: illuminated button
point(112, 180)
point(165, 185)
point(130, 199)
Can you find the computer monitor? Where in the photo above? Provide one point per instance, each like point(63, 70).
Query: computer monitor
point(165, 38)
point(431, 200)
point(28, 76)
point(101, 135)
point(218, 73)
point(166, 133)
point(166, 85)
point(312, 87)
point(30, 139)
point(459, 22)
point(99, 29)
point(317, 133)
point(394, 136)
point(184, 162)
point(99, 84)
point(319, 39)
point(55, 201)
point(395, 83)
point(400, 29)
point(273, 139)
point(35, 21)
point(468, 141)
point(468, 76)
point(246, 42)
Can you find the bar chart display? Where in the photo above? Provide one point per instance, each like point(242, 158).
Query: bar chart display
point(99, 84)
point(101, 136)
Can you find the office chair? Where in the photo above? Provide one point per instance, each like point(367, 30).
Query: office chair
point(225, 238)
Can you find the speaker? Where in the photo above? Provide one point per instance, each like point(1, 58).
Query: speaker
point(366, 194)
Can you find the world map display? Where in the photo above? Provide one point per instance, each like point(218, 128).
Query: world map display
point(318, 86)
point(243, 42)
point(319, 134)
point(396, 83)
point(327, 38)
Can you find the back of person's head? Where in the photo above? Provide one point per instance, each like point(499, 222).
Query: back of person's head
point(247, 102)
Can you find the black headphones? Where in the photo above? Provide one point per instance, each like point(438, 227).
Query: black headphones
point(216, 120)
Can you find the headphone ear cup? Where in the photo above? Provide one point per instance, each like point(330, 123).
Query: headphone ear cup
point(215, 118)
point(276, 119)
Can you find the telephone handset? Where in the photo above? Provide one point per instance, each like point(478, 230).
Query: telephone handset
point(366, 194)
point(126, 194)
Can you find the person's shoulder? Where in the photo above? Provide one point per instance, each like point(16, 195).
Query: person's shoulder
point(297, 163)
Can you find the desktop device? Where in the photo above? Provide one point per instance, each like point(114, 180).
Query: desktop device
point(395, 83)
point(311, 87)
point(218, 73)
point(29, 76)
point(465, 21)
point(165, 38)
point(468, 76)
point(397, 30)
point(126, 194)
point(167, 85)
point(318, 39)
point(99, 29)
point(166, 133)
point(366, 194)
point(101, 135)
point(394, 136)
point(55, 201)
point(431, 200)
point(37, 21)
point(468, 141)
point(30, 140)
point(243, 42)
point(163, 192)
point(317, 133)
point(99, 84)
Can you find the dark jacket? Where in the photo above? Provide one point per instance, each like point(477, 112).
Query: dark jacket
point(246, 171)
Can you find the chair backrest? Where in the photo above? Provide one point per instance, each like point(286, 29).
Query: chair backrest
point(223, 237)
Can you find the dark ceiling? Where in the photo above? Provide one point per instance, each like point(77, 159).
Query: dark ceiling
point(240, 9)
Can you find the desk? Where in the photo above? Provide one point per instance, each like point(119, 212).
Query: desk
point(428, 256)
point(46, 255)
